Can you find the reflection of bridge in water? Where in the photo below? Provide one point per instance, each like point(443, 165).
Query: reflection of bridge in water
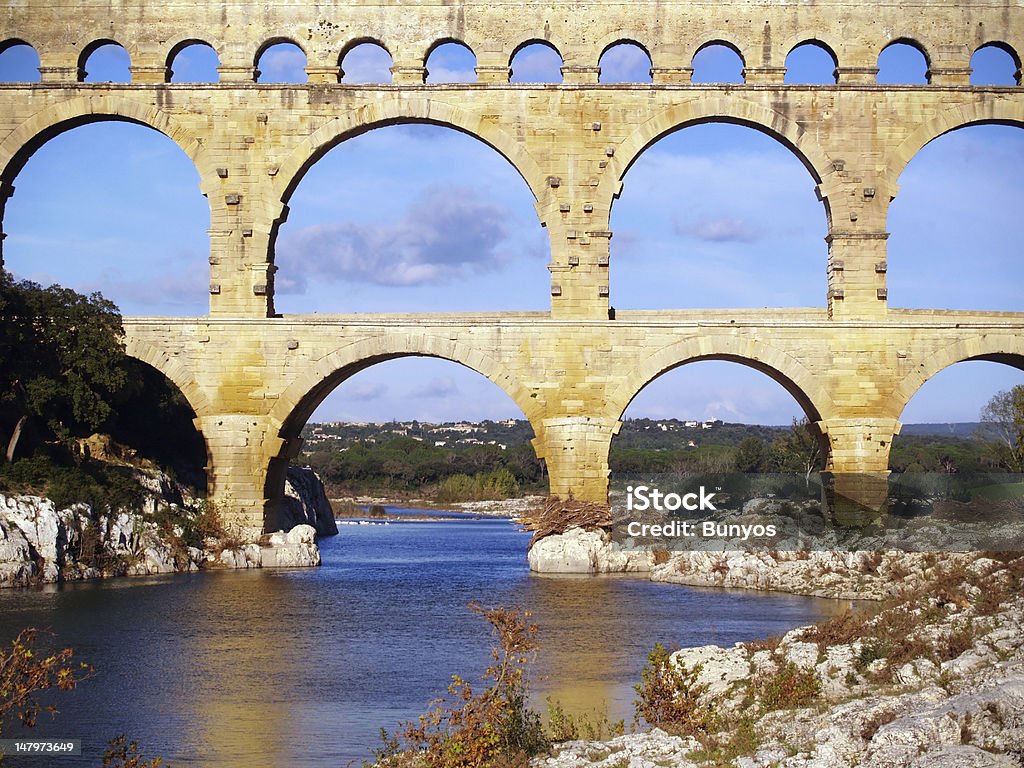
point(253, 378)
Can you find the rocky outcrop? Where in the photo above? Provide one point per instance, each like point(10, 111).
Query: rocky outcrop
point(636, 750)
point(581, 551)
point(306, 502)
point(42, 544)
point(857, 575)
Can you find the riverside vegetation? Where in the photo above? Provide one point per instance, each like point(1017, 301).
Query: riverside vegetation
point(933, 677)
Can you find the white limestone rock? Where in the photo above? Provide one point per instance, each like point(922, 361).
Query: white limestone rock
point(581, 551)
point(295, 549)
point(636, 750)
point(720, 669)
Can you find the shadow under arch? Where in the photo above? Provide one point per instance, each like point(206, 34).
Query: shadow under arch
point(815, 401)
point(27, 138)
point(1005, 349)
point(298, 402)
point(720, 109)
point(176, 376)
point(988, 112)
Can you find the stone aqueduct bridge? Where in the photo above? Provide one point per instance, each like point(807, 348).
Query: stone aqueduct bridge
point(253, 377)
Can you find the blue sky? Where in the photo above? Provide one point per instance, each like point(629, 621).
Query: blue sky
point(419, 218)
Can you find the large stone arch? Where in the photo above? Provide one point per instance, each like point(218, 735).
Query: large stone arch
point(720, 109)
point(300, 399)
point(397, 111)
point(800, 382)
point(21, 143)
point(997, 348)
point(988, 111)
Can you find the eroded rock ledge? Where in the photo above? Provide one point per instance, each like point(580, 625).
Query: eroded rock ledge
point(41, 544)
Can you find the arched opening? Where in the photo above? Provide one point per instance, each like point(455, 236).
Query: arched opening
point(811, 63)
point(903, 62)
point(193, 61)
point(717, 62)
point(411, 218)
point(414, 427)
point(995, 64)
point(111, 206)
point(536, 61)
point(366, 62)
point(19, 62)
point(960, 453)
point(451, 61)
point(717, 215)
point(105, 61)
point(713, 420)
point(281, 61)
point(953, 244)
point(625, 62)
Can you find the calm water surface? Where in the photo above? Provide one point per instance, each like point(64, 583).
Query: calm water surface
point(304, 667)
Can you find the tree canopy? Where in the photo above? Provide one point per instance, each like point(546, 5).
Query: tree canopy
point(61, 361)
point(1003, 421)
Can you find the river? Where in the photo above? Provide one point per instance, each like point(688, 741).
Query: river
point(264, 669)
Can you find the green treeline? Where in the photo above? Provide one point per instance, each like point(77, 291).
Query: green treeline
point(403, 465)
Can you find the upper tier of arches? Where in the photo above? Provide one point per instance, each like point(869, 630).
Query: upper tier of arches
point(762, 50)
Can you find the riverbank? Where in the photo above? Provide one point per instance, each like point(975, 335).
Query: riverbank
point(932, 678)
point(169, 531)
point(359, 506)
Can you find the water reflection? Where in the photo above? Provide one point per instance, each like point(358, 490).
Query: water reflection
point(271, 668)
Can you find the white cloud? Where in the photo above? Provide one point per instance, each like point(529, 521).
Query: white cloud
point(447, 233)
point(437, 388)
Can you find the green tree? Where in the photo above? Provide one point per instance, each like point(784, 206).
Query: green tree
point(750, 455)
point(798, 450)
point(1003, 420)
point(61, 360)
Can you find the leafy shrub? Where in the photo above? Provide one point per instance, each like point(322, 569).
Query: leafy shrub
point(25, 671)
point(787, 687)
point(490, 729)
point(671, 698)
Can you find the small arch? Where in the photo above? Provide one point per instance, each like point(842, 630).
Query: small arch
point(104, 61)
point(811, 62)
point(19, 62)
point(365, 61)
point(193, 61)
point(718, 61)
point(450, 61)
point(995, 63)
point(535, 61)
point(281, 60)
point(625, 61)
point(903, 62)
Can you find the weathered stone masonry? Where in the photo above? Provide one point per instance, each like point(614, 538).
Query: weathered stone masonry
point(254, 377)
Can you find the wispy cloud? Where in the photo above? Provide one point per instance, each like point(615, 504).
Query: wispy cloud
point(723, 229)
point(365, 391)
point(445, 234)
point(437, 388)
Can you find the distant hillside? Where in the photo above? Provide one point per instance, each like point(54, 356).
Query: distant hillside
point(954, 429)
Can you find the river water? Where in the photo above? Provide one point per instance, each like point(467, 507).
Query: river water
point(304, 667)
